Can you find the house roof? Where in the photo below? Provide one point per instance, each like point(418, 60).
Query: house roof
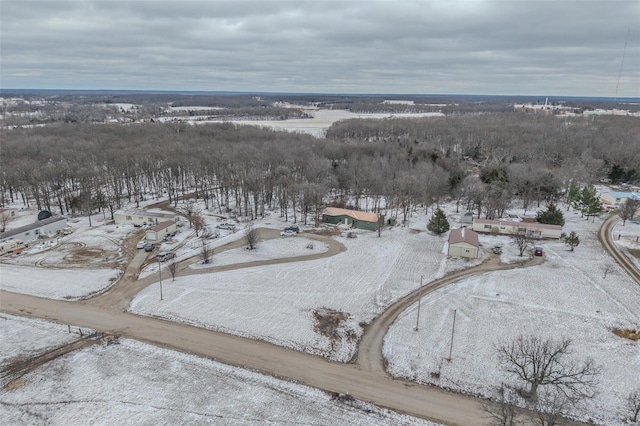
point(163, 225)
point(31, 226)
point(357, 215)
point(464, 235)
point(528, 225)
point(145, 213)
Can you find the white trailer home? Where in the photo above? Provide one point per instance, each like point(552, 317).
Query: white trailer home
point(503, 227)
point(161, 230)
point(141, 218)
point(41, 229)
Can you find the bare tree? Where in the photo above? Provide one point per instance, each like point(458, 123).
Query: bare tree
point(189, 209)
point(551, 408)
point(628, 210)
point(633, 402)
point(541, 362)
point(205, 250)
point(251, 237)
point(5, 218)
point(198, 222)
point(522, 241)
point(502, 412)
point(173, 268)
point(380, 224)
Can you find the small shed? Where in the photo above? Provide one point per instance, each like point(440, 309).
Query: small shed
point(161, 230)
point(352, 218)
point(463, 242)
point(467, 218)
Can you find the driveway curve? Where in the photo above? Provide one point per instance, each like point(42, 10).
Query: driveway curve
point(605, 236)
point(369, 356)
point(120, 295)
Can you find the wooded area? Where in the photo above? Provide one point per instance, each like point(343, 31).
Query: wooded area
point(483, 162)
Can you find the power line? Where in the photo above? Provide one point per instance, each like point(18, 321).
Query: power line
point(624, 52)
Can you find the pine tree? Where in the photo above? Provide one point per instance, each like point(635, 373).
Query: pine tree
point(438, 223)
point(573, 196)
point(572, 240)
point(590, 203)
point(552, 216)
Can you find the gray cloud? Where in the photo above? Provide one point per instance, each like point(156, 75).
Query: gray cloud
point(444, 46)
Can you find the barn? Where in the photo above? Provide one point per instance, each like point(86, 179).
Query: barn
point(161, 230)
point(463, 242)
point(531, 229)
point(41, 229)
point(351, 218)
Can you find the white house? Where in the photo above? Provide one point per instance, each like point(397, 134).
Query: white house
point(463, 242)
point(158, 232)
point(531, 229)
point(613, 199)
point(140, 218)
point(41, 229)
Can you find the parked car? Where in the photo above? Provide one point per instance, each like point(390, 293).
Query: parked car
point(292, 228)
point(538, 251)
point(141, 244)
point(497, 249)
point(227, 225)
point(149, 247)
point(288, 233)
point(165, 256)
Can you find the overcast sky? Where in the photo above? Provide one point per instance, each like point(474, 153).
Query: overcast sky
point(521, 47)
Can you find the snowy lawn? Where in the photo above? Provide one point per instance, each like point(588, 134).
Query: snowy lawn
point(135, 383)
point(26, 336)
point(267, 250)
point(276, 303)
point(55, 283)
point(566, 297)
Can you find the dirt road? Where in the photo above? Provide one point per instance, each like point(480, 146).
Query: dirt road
point(120, 295)
point(604, 235)
point(422, 401)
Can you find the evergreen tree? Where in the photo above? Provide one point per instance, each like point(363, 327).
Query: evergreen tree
point(438, 223)
point(552, 216)
point(590, 203)
point(573, 196)
point(572, 240)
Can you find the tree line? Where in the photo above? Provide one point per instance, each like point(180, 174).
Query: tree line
point(483, 163)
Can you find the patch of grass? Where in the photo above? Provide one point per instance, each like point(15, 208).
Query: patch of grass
point(327, 322)
point(627, 333)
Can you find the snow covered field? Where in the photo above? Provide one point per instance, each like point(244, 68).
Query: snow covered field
point(134, 383)
point(321, 121)
point(566, 297)
point(276, 303)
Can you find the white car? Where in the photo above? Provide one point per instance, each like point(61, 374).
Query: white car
point(141, 244)
point(288, 233)
point(226, 225)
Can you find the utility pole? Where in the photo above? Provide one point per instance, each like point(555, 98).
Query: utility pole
point(419, 299)
point(160, 273)
point(453, 329)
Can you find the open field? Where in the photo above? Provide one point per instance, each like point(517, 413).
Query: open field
point(127, 382)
